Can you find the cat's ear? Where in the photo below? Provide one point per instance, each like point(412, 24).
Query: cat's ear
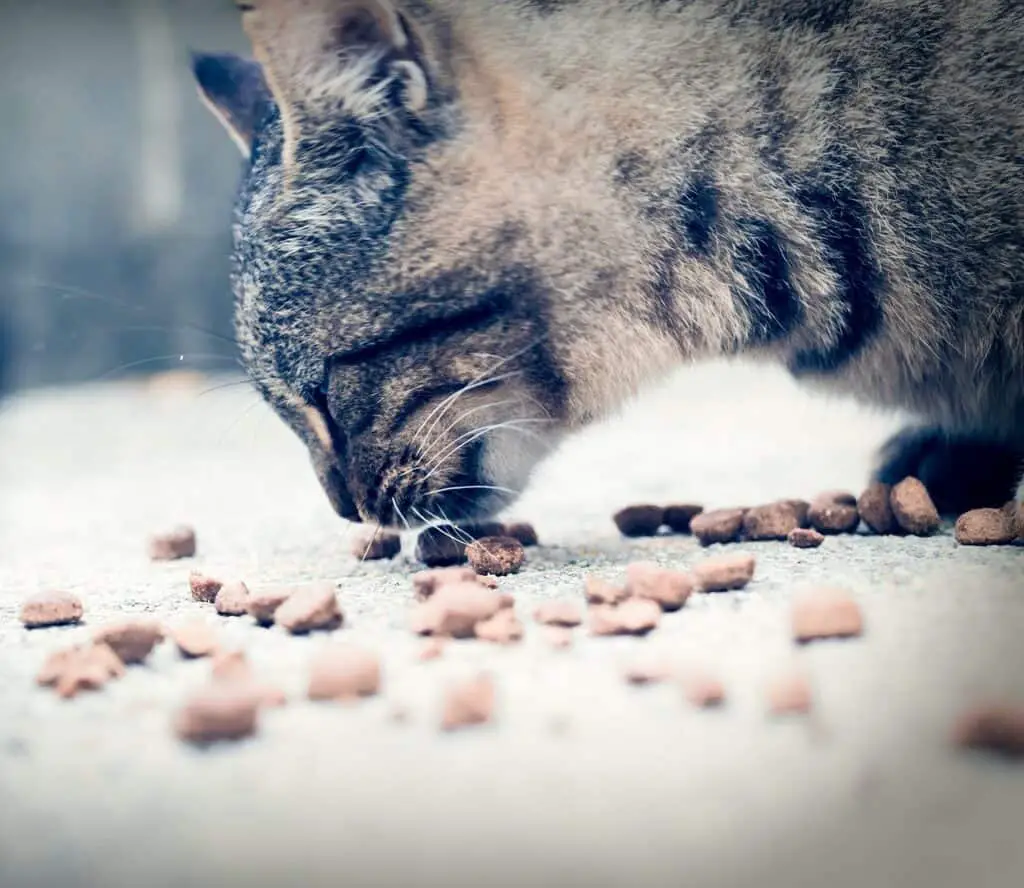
point(235, 91)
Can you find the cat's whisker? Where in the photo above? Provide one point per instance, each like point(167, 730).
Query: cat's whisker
point(468, 438)
point(434, 493)
point(439, 437)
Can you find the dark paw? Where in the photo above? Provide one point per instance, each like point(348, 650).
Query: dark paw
point(960, 473)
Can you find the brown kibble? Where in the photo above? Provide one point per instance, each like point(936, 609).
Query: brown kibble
point(718, 526)
point(344, 673)
point(561, 612)
point(496, 555)
point(913, 508)
point(639, 521)
point(83, 667)
point(203, 588)
point(194, 639)
point(834, 511)
point(230, 666)
point(522, 531)
point(376, 546)
point(704, 691)
point(726, 573)
point(225, 711)
point(311, 608)
point(669, 588)
point(875, 510)
point(265, 605)
point(771, 522)
point(131, 641)
point(996, 728)
point(455, 609)
point(789, 694)
point(599, 591)
point(440, 546)
point(647, 670)
point(802, 509)
point(426, 582)
point(178, 543)
point(51, 609)
point(635, 616)
point(805, 538)
point(558, 637)
point(432, 649)
point(233, 599)
point(82, 674)
point(826, 613)
point(468, 703)
point(503, 628)
point(679, 516)
point(985, 527)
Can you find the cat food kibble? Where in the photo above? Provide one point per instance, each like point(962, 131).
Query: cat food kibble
point(522, 531)
point(834, 512)
point(599, 591)
point(913, 508)
point(440, 547)
point(873, 506)
point(203, 588)
point(426, 582)
point(51, 609)
point(639, 521)
point(194, 639)
point(702, 690)
point(503, 628)
point(635, 616)
point(802, 509)
point(81, 668)
point(718, 526)
point(344, 672)
point(771, 522)
point(468, 702)
point(668, 588)
point(679, 516)
point(789, 694)
point(230, 666)
point(233, 599)
point(726, 573)
point(223, 711)
point(455, 609)
point(264, 605)
point(498, 556)
point(985, 527)
point(825, 613)
point(995, 728)
point(805, 538)
point(131, 641)
point(377, 546)
point(178, 543)
point(312, 608)
point(559, 613)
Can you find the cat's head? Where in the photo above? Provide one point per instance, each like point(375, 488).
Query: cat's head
point(422, 279)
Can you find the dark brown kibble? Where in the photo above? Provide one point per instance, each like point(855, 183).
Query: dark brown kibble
point(263, 606)
point(225, 711)
point(309, 609)
point(789, 695)
point(233, 599)
point(131, 641)
point(203, 588)
point(805, 538)
point(636, 616)
point(178, 543)
point(718, 526)
point(440, 546)
point(599, 591)
point(827, 613)
point(730, 572)
point(561, 612)
point(455, 609)
point(377, 546)
point(802, 509)
point(503, 628)
point(875, 510)
point(194, 639)
point(522, 531)
point(481, 529)
point(344, 673)
point(985, 527)
point(498, 556)
point(834, 512)
point(468, 703)
point(51, 609)
point(994, 728)
point(679, 516)
point(639, 521)
point(668, 588)
point(913, 508)
point(771, 522)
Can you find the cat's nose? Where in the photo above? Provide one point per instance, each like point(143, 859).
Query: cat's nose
point(333, 483)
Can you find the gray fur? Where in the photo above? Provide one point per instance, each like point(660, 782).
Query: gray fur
point(574, 197)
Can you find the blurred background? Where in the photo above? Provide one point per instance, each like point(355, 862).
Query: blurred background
point(116, 187)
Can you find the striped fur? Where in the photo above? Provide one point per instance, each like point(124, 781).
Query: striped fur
point(550, 203)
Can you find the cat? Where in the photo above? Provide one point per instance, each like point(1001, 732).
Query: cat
point(467, 229)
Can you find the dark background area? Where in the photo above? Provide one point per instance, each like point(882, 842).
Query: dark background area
point(116, 187)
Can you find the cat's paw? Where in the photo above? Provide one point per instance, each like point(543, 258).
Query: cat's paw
point(961, 473)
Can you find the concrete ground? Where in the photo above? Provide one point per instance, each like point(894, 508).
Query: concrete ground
point(582, 780)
